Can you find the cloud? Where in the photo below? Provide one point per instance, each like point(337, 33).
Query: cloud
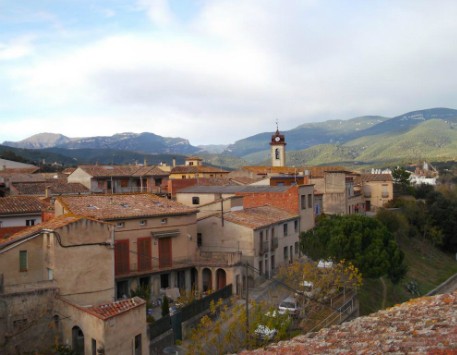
point(234, 67)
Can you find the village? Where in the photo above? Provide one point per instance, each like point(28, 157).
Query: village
point(75, 245)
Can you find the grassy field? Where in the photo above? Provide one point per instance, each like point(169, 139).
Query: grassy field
point(427, 266)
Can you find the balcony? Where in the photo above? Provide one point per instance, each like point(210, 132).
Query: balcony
point(205, 258)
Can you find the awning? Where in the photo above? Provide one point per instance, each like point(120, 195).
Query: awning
point(165, 234)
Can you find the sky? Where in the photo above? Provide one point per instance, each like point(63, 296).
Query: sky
point(216, 71)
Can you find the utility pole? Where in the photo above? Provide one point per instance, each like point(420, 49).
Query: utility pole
point(247, 302)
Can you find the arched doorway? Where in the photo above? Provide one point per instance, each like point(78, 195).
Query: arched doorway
point(77, 342)
point(221, 278)
point(207, 279)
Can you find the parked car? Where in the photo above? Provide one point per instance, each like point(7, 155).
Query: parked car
point(289, 306)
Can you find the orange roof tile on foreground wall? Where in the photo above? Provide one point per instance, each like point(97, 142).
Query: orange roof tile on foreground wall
point(113, 309)
point(426, 325)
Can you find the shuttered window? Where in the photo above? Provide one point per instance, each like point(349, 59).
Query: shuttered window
point(121, 257)
point(23, 260)
point(144, 254)
point(164, 252)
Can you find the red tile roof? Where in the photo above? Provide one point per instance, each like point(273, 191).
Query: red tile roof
point(426, 325)
point(259, 217)
point(376, 177)
point(113, 309)
point(121, 206)
point(195, 169)
point(55, 188)
point(54, 223)
point(12, 205)
point(122, 170)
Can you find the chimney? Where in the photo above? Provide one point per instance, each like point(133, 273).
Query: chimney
point(46, 192)
point(145, 163)
point(174, 162)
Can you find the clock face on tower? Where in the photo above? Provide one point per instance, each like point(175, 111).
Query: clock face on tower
point(277, 139)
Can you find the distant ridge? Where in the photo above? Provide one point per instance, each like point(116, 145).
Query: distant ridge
point(422, 134)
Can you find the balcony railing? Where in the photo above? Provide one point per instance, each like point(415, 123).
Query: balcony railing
point(205, 258)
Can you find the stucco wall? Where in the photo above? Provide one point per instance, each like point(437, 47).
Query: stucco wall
point(79, 175)
point(26, 322)
point(115, 335)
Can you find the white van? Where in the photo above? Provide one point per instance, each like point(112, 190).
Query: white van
point(289, 305)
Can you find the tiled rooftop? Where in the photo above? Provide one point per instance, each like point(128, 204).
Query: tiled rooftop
point(118, 206)
point(426, 325)
point(259, 217)
point(54, 223)
point(264, 170)
point(55, 188)
point(234, 189)
point(11, 205)
point(194, 169)
point(376, 177)
point(122, 170)
point(113, 309)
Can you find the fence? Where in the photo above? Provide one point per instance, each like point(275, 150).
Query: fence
point(189, 311)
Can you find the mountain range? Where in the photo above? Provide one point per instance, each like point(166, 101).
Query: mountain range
point(429, 134)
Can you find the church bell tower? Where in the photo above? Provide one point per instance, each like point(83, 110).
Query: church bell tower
point(278, 148)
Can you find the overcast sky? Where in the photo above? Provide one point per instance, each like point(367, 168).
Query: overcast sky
point(215, 71)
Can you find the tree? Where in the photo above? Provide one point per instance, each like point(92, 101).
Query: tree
point(362, 240)
point(401, 180)
point(223, 330)
point(320, 284)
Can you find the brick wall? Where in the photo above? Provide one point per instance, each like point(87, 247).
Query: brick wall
point(287, 200)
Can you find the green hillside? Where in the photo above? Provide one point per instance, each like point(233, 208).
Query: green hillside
point(433, 140)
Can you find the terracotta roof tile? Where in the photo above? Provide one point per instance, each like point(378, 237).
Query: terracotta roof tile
point(118, 206)
point(55, 188)
point(422, 325)
point(54, 223)
point(11, 205)
point(122, 170)
point(113, 309)
point(259, 217)
point(376, 177)
point(194, 169)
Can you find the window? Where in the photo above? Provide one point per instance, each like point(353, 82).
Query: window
point(144, 254)
point(124, 182)
point(50, 274)
point(296, 248)
point(285, 227)
point(303, 202)
point(195, 200)
point(120, 224)
point(94, 347)
point(296, 226)
point(143, 222)
point(286, 253)
point(199, 239)
point(310, 201)
point(164, 221)
point(121, 257)
point(30, 222)
point(1, 224)
point(23, 260)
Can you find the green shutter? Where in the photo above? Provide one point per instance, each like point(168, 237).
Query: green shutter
point(23, 260)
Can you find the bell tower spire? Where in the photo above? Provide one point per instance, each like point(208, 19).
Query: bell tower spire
point(278, 148)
